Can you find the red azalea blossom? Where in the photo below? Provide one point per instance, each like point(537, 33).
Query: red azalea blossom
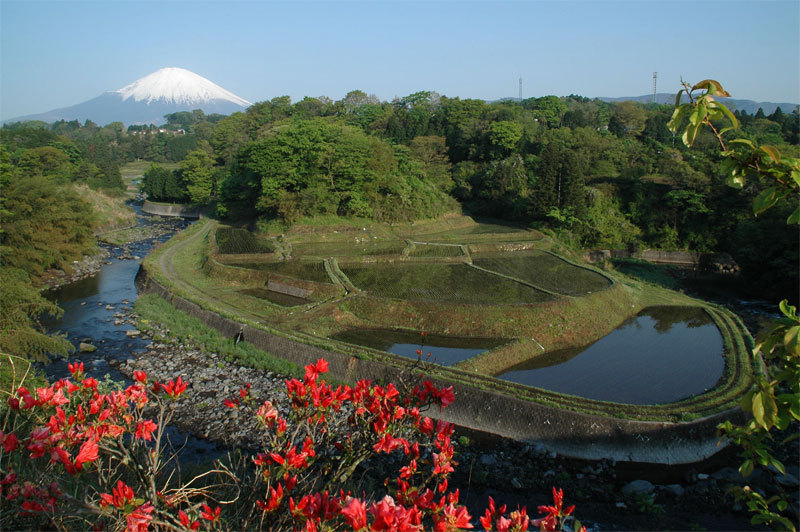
point(139, 519)
point(208, 514)
point(87, 453)
point(121, 496)
point(175, 388)
point(186, 522)
point(355, 513)
point(144, 429)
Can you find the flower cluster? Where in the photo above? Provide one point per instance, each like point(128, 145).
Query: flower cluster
point(302, 479)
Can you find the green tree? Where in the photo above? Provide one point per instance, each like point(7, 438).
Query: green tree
point(198, 173)
point(504, 136)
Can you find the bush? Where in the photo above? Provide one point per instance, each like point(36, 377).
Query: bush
point(75, 456)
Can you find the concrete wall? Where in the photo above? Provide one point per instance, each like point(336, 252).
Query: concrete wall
point(568, 433)
point(171, 209)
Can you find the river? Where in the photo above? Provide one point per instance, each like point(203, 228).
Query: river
point(96, 311)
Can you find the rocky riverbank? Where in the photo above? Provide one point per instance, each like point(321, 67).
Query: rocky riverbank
point(86, 267)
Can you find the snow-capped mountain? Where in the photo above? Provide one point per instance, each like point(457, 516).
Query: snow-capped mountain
point(147, 100)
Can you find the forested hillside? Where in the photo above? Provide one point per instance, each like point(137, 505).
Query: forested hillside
point(53, 187)
point(598, 174)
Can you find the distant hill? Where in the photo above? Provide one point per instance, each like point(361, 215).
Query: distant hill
point(733, 103)
point(669, 98)
point(147, 100)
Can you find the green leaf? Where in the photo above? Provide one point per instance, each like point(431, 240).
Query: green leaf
point(794, 218)
point(764, 410)
point(790, 311)
point(698, 114)
point(768, 198)
point(690, 134)
point(772, 152)
point(777, 464)
point(746, 468)
point(743, 141)
point(791, 340)
point(678, 116)
point(729, 115)
point(796, 177)
point(678, 98)
point(713, 87)
point(577, 526)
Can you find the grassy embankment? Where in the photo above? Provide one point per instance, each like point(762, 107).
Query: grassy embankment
point(155, 310)
point(561, 321)
point(111, 213)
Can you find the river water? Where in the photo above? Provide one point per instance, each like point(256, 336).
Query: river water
point(95, 311)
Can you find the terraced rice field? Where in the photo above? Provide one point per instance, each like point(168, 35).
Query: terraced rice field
point(278, 298)
point(233, 241)
point(454, 283)
point(297, 269)
point(435, 250)
point(546, 271)
point(349, 248)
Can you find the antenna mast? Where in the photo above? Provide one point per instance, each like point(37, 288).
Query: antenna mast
point(655, 77)
point(520, 89)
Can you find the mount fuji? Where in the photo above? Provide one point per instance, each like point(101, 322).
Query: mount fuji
point(147, 100)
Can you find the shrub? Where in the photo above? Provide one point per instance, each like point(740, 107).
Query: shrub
point(75, 456)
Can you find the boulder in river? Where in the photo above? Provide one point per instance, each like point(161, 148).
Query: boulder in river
point(84, 347)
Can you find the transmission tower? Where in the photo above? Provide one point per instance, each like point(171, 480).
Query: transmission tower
point(655, 77)
point(520, 89)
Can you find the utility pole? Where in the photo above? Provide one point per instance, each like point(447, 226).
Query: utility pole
point(520, 89)
point(655, 76)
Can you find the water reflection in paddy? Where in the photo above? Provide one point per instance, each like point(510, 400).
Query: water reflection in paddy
point(662, 355)
point(444, 350)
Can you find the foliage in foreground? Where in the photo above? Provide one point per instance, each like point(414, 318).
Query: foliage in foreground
point(775, 401)
point(75, 456)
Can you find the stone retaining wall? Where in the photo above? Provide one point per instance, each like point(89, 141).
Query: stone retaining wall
point(569, 433)
point(718, 262)
point(171, 209)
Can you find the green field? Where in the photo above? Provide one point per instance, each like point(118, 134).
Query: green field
point(305, 270)
point(435, 250)
point(452, 283)
point(233, 241)
point(349, 248)
point(546, 271)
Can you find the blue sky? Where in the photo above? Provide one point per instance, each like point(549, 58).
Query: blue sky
point(55, 54)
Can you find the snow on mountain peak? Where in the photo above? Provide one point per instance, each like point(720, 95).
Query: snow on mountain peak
point(178, 86)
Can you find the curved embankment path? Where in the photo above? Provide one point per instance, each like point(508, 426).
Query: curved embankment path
point(566, 424)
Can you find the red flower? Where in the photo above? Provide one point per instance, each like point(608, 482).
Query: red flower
point(231, 404)
point(122, 495)
point(355, 513)
point(174, 388)
point(455, 517)
point(139, 519)
point(186, 522)
point(275, 498)
point(87, 453)
point(9, 441)
point(144, 429)
point(140, 376)
point(75, 367)
point(210, 515)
